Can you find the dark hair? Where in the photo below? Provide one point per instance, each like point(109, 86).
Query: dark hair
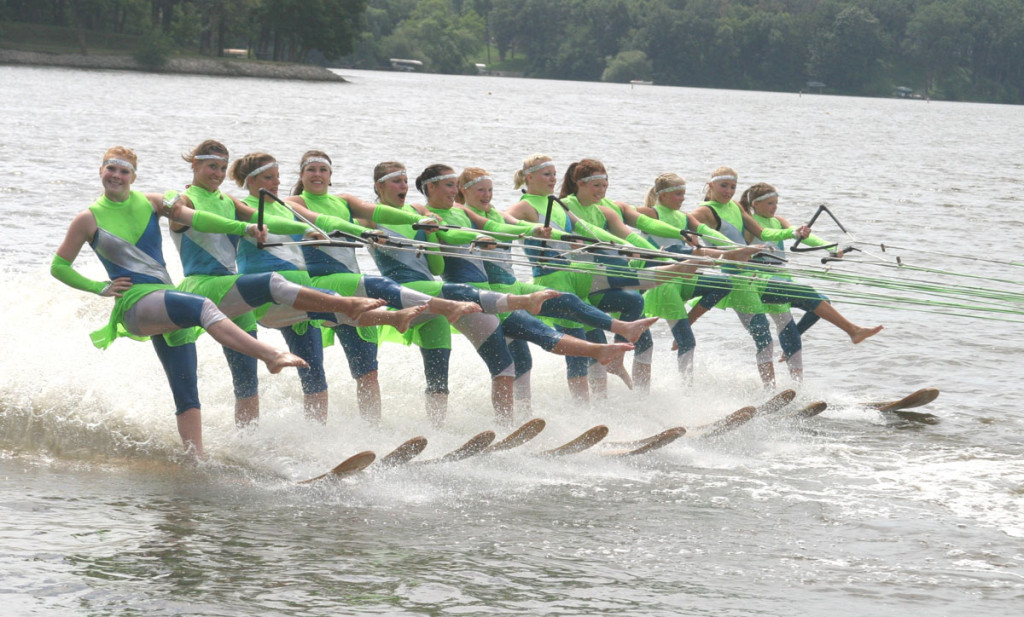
point(298, 188)
point(437, 169)
point(576, 172)
point(751, 194)
point(244, 166)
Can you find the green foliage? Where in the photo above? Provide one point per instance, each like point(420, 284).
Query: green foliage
point(627, 66)
point(154, 51)
point(957, 49)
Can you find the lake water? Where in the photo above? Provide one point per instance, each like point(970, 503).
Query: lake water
point(844, 514)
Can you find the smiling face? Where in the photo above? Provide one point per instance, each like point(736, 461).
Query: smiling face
point(480, 194)
point(209, 173)
point(441, 194)
point(591, 191)
point(117, 180)
point(316, 177)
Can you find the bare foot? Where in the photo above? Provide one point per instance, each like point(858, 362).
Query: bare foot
point(631, 330)
point(452, 310)
point(401, 320)
point(357, 305)
point(615, 365)
point(282, 360)
point(532, 303)
point(860, 334)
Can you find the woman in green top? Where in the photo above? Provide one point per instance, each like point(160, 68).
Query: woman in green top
point(761, 202)
point(591, 282)
point(759, 294)
point(123, 228)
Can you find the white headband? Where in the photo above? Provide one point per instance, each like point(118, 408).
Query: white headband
point(766, 196)
point(595, 177)
point(475, 181)
point(717, 178)
point(260, 170)
point(681, 187)
point(394, 174)
point(439, 178)
point(210, 157)
point(314, 159)
point(119, 163)
point(538, 166)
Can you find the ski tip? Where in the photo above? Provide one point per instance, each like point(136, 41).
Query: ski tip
point(354, 463)
point(404, 453)
point(351, 465)
point(813, 409)
point(518, 437)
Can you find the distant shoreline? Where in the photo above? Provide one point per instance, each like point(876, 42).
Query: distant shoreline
point(217, 67)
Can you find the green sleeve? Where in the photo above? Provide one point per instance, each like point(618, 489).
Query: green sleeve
point(506, 228)
point(813, 240)
point(61, 270)
point(656, 227)
point(210, 223)
point(596, 232)
point(774, 235)
point(457, 236)
point(386, 215)
point(331, 223)
point(713, 235)
point(284, 226)
point(637, 240)
point(435, 261)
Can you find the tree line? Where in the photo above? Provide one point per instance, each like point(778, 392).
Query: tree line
point(949, 49)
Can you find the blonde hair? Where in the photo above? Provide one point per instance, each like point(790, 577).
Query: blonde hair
point(721, 171)
point(662, 182)
point(468, 175)
point(241, 168)
point(751, 194)
point(531, 161)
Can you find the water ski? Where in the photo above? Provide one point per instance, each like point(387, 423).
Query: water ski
point(776, 403)
point(809, 411)
point(351, 465)
point(587, 439)
point(476, 444)
point(898, 408)
point(403, 453)
point(518, 437)
point(648, 444)
point(914, 399)
point(734, 420)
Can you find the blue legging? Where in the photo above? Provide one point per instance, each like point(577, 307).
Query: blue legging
point(181, 367)
point(310, 347)
point(630, 307)
point(711, 289)
point(360, 353)
point(569, 306)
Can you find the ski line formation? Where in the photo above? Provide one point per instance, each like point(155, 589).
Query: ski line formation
point(484, 443)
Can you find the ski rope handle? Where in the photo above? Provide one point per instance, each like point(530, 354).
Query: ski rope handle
point(824, 247)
